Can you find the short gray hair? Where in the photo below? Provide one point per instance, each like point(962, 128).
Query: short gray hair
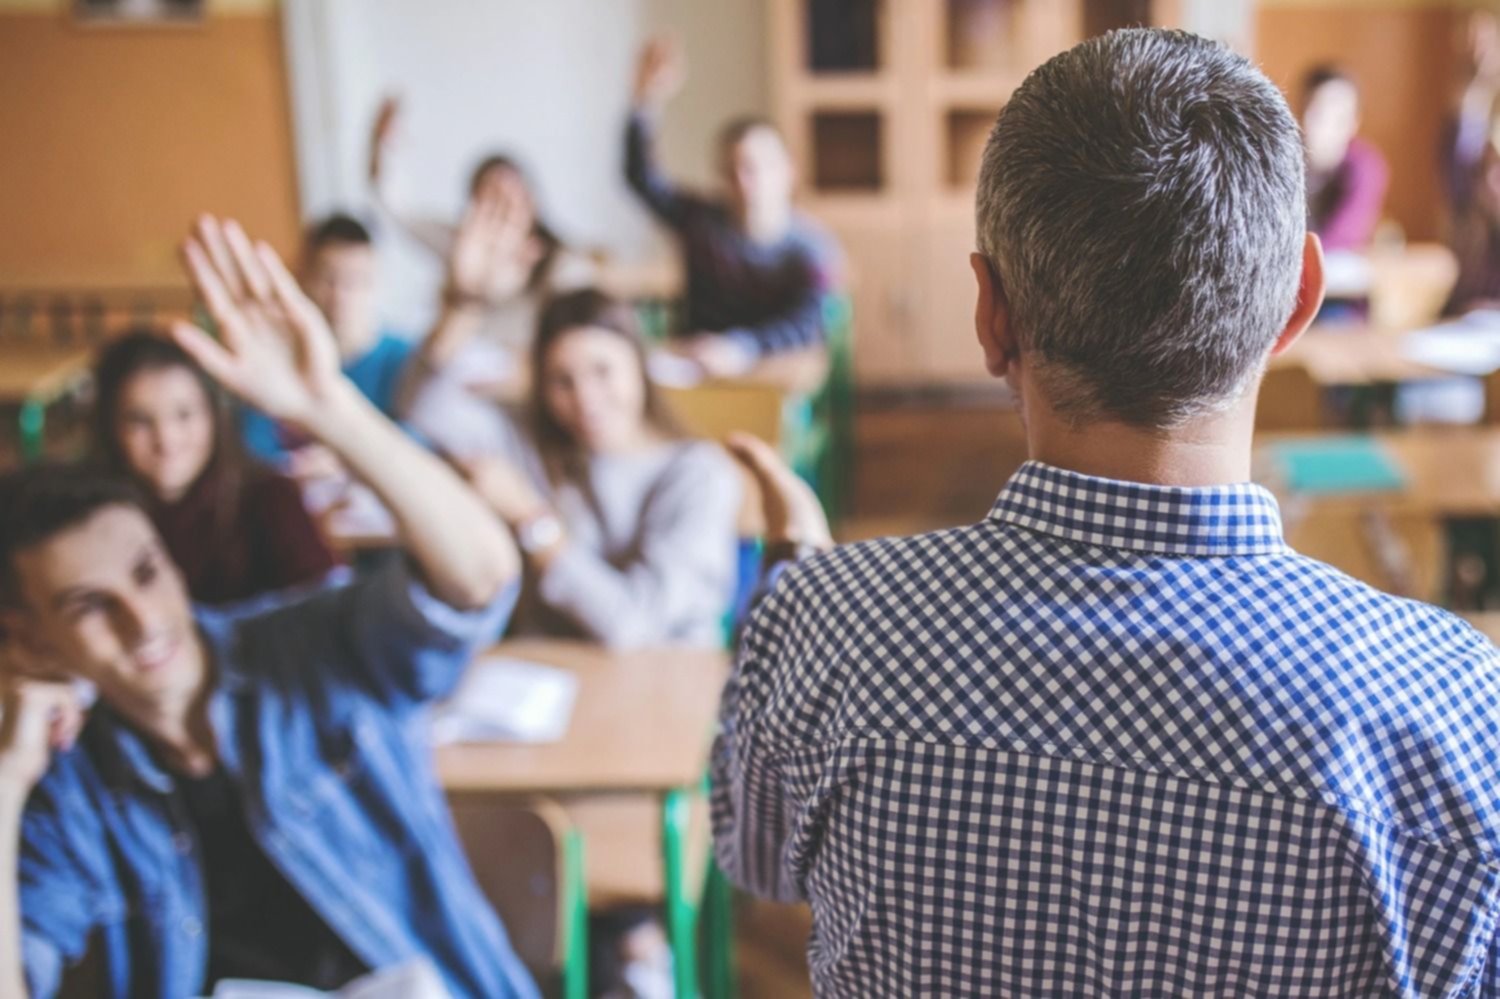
point(1142, 200)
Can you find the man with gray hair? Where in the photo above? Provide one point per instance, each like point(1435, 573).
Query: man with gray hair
point(1118, 739)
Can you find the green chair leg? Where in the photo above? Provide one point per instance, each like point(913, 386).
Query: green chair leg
point(576, 919)
point(718, 931)
point(681, 917)
point(33, 427)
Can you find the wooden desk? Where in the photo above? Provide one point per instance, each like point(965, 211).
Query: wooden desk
point(641, 726)
point(29, 369)
point(1339, 355)
point(1449, 472)
point(642, 723)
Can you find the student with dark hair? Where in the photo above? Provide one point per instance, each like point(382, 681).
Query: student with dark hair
point(1347, 177)
point(502, 261)
point(339, 274)
point(757, 269)
point(626, 525)
point(234, 528)
point(252, 796)
point(1118, 738)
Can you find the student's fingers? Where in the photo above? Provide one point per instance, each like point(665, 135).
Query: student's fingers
point(210, 234)
point(308, 325)
point(209, 353)
point(209, 282)
point(760, 458)
point(253, 271)
point(31, 708)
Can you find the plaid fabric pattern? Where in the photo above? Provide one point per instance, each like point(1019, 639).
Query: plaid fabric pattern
point(1115, 740)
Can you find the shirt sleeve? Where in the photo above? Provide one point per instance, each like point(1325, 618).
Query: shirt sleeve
point(60, 901)
point(290, 548)
point(750, 806)
point(1352, 222)
point(384, 633)
point(665, 199)
point(262, 437)
point(681, 578)
point(800, 324)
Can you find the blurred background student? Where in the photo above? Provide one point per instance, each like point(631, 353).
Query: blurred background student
point(1347, 176)
point(628, 526)
point(757, 269)
point(339, 275)
point(236, 528)
point(1471, 161)
point(495, 285)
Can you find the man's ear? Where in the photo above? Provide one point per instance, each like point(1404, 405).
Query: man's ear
point(992, 318)
point(1310, 293)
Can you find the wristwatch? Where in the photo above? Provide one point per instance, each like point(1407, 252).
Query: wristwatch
point(539, 532)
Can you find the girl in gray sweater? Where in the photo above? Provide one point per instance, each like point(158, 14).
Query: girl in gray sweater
point(628, 527)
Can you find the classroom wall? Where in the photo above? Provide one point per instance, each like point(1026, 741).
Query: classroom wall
point(1404, 55)
point(111, 138)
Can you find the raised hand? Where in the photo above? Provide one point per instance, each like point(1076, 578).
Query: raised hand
point(660, 72)
point(792, 510)
point(275, 349)
point(495, 251)
point(381, 131)
point(35, 719)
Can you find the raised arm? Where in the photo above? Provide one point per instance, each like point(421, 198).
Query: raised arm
point(660, 73)
point(432, 234)
point(278, 354)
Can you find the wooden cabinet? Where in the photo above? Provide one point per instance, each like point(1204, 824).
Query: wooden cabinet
point(886, 106)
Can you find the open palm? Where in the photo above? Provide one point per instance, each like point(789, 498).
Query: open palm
point(275, 350)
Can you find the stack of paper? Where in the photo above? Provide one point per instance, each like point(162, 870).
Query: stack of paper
point(508, 700)
point(1466, 346)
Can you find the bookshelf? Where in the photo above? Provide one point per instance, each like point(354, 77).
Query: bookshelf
point(886, 106)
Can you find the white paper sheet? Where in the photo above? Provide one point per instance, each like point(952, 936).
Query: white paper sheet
point(1466, 346)
point(508, 700)
point(412, 980)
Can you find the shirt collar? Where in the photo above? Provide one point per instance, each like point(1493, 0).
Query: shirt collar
point(1240, 519)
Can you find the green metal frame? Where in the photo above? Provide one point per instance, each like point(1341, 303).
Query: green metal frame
point(711, 912)
point(575, 900)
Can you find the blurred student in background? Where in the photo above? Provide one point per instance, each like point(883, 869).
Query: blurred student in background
point(757, 270)
point(1347, 177)
point(495, 285)
point(236, 528)
point(339, 275)
point(627, 527)
point(1471, 161)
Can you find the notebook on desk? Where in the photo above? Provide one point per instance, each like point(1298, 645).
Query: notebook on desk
point(1351, 464)
point(507, 700)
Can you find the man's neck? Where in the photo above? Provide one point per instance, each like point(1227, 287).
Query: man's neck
point(177, 726)
point(765, 223)
point(1211, 451)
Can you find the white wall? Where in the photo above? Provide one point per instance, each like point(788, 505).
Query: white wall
point(547, 80)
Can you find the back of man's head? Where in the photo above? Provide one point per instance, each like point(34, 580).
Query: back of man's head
point(39, 502)
point(1141, 198)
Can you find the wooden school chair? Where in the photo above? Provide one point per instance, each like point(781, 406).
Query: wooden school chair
point(1290, 399)
point(528, 859)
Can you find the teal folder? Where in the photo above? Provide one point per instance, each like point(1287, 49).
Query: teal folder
point(1349, 464)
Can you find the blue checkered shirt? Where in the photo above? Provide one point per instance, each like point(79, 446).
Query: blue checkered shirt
point(1115, 740)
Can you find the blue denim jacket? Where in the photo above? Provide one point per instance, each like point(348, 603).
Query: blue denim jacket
point(317, 713)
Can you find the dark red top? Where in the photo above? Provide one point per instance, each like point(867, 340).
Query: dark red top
point(271, 544)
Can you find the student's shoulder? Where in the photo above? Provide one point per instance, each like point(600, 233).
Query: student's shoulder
point(696, 460)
